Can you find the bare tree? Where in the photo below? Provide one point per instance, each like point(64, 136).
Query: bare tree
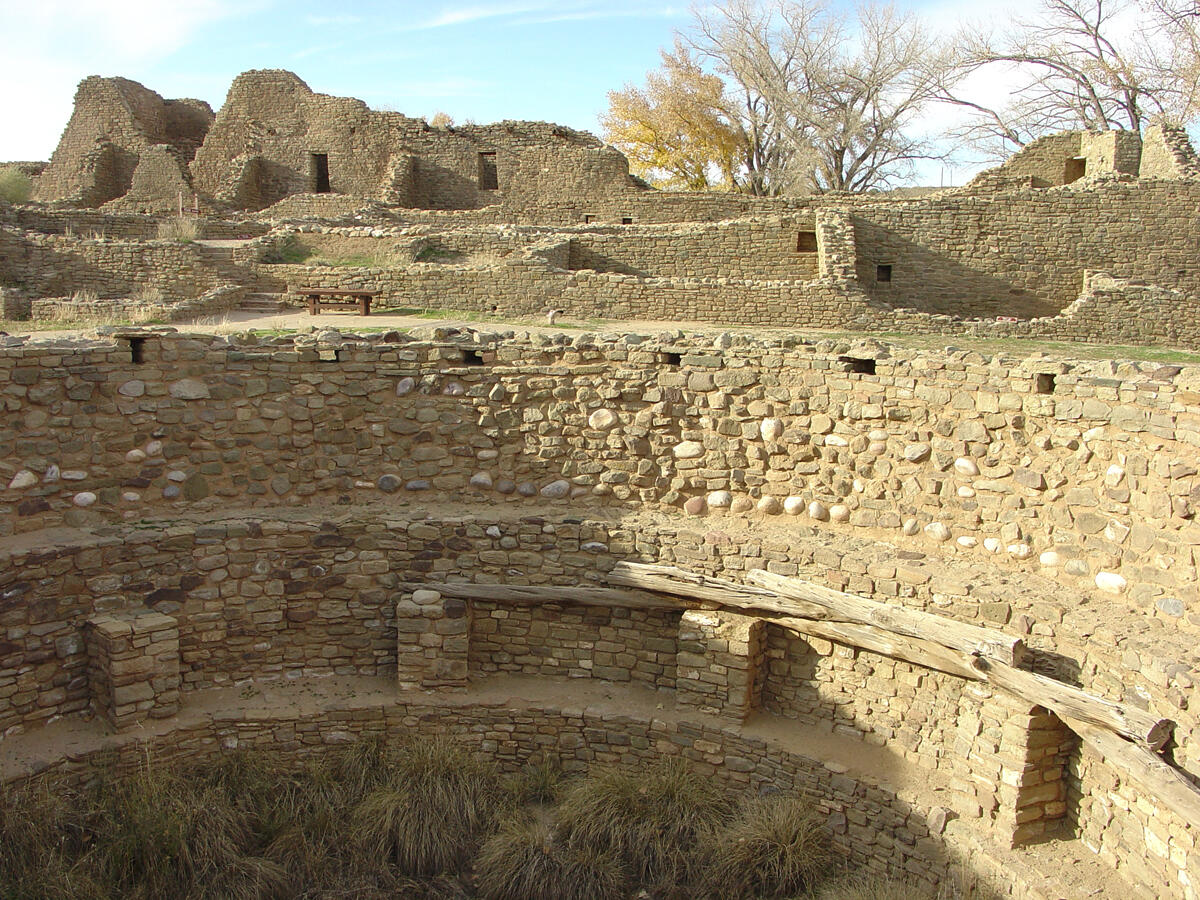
point(823, 101)
point(1085, 64)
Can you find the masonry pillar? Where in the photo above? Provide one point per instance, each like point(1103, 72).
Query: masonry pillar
point(1016, 754)
point(717, 663)
point(133, 667)
point(432, 636)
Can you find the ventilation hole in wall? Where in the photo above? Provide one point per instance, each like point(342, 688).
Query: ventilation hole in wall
point(472, 358)
point(1044, 383)
point(334, 355)
point(137, 350)
point(489, 179)
point(626, 220)
point(588, 218)
point(495, 308)
point(320, 173)
point(672, 359)
point(806, 242)
point(857, 365)
point(883, 274)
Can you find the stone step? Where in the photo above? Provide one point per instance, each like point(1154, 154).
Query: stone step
point(260, 301)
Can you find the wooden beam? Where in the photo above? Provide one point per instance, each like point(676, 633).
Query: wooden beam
point(927, 654)
point(970, 639)
point(1160, 780)
point(538, 595)
point(1074, 704)
point(931, 650)
point(694, 586)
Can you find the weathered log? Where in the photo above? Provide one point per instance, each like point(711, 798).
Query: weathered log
point(930, 650)
point(1160, 780)
point(927, 654)
point(1063, 700)
point(538, 595)
point(1072, 703)
point(970, 639)
point(670, 580)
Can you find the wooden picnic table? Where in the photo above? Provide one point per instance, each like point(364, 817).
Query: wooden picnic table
point(337, 298)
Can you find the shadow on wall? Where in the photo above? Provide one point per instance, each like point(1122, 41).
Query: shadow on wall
point(439, 187)
point(902, 274)
point(583, 257)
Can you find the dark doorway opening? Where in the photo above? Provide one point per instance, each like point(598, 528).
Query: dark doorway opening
point(320, 172)
point(137, 350)
point(626, 220)
point(883, 274)
point(488, 179)
point(806, 242)
point(857, 365)
point(1076, 169)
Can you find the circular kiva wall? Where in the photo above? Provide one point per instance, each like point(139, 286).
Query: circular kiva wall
point(185, 515)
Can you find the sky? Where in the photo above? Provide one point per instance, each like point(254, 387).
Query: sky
point(483, 60)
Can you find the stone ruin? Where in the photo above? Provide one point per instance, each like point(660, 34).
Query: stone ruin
point(1081, 236)
point(950, 596)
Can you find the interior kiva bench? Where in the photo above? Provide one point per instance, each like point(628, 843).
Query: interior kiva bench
point(337, 298)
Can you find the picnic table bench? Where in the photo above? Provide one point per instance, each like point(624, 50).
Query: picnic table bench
point(337, 298)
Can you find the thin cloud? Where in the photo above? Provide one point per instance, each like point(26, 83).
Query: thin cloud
point(469, 14)
point(669, 12)
point(333, 21)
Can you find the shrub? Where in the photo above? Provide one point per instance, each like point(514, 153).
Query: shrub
point(525, 861)
point(537, 782)
point(773, 847)
point(161, 834)
point(15, 185)
point(179, 228)
point(41, 837)
point(431, 812)
point(651, 819)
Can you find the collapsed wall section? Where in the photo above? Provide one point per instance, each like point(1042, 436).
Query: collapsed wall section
point(113, 123)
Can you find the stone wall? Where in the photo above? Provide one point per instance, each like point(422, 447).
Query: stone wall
point(265, 598)
point(275, 118)
point(1024, 254)
point(125, 119)
point(878, 828)
point(53, 266)
point(1075, 467)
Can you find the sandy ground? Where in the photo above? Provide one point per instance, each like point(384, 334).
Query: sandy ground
point(299, 320)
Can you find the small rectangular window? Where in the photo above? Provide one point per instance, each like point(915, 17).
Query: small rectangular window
point(320, 173)
point(588, 218)
point(626, 220)
point(806, 242)
point(1044, 383)
point(883, 274)
point(1076, 168)
point(857, 365)
point(489, 180)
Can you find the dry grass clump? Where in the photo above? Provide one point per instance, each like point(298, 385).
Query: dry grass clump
point(773, 847)
point(183, 229)
point(526, 860)
point(431, 812)
point(539, 781)
point(15, 185)
point(862, 887)
point(650, 819)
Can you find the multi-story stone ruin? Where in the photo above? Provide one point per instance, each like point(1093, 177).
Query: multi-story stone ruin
point(950, 596)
